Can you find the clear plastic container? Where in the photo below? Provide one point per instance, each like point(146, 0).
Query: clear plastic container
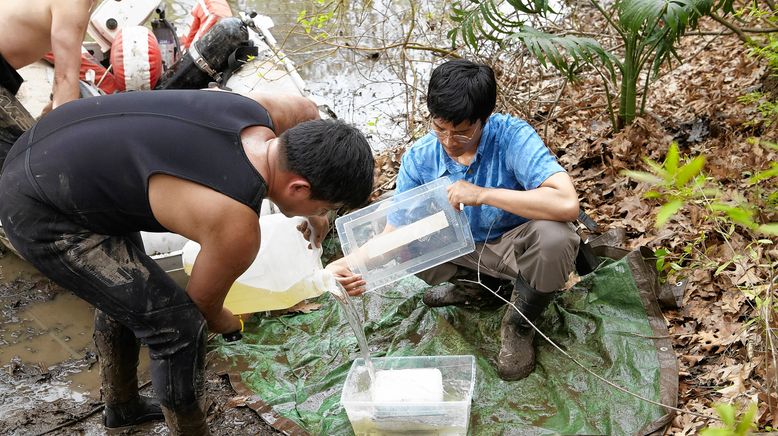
point(430, 413)
point(284, 272)
point(424, 231)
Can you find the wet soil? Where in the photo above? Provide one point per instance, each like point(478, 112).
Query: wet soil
point(48, 367)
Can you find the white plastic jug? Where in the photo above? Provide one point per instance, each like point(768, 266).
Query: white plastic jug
point(284, 272)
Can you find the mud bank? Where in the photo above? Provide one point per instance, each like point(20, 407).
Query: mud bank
point(49, 381)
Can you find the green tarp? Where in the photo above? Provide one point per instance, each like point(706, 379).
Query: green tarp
point(608, 322)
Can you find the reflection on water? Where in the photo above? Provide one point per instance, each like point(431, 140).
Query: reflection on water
point(361, 87)
point(49, 332)
point(46, 348)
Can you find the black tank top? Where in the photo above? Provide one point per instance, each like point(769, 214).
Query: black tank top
point(92, 158)
point(9, 78)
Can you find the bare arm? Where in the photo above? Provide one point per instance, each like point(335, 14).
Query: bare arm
point(68, 26)
point(224, 255)
point(286, 110)
point(228, 233)
point(555, 199)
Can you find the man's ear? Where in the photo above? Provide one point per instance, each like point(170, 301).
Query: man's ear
point(299, 188)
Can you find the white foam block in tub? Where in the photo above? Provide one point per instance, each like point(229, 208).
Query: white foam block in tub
point(408, 385)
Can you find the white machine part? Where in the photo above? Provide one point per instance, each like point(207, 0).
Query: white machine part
point(112, 15)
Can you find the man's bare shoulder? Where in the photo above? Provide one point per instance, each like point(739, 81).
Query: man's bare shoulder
point(191, 209)
point(26, 33)
point(286, 110)
point(73, 6)
point(40, 11)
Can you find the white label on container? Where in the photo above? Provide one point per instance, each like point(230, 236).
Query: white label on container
point(387, 242)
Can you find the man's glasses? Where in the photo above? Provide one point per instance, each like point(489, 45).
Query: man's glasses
point(461, 139)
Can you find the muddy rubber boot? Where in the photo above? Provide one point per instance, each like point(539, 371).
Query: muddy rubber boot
point(188, 421)
point(118, 350)
point(517, 354)
point(459, 292)
point(121, 417)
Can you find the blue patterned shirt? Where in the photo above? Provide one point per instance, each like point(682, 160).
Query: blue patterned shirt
point(510, 155)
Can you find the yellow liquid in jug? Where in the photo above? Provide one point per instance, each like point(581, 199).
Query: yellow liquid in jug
point(243, 298)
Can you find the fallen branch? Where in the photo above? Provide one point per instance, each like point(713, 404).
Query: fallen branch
point(736, 30)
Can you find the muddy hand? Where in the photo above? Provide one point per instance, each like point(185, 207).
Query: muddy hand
point(462, 193)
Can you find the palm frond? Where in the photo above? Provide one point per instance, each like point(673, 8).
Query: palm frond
point(483, 18)
point(657, 25)
point(531, 6)
point(565, 52)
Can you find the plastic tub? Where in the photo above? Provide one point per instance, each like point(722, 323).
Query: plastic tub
point(449, 416)
point(423, 231)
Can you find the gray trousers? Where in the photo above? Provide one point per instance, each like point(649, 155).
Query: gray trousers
point(543, 252)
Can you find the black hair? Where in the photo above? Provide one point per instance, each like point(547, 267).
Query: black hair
point(333, 157)
point(462, 90)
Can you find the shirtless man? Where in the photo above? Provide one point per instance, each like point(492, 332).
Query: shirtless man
point(80, 185)
point(30, 29)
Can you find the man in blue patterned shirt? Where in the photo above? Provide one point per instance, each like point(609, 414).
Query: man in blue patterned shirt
point(518, 199)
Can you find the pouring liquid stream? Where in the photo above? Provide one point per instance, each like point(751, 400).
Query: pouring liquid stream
point(342, 297)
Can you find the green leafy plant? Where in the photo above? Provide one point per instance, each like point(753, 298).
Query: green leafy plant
point(767, 49)
point(732, 425)
point(647, 29)
point(676, 183)
point(315, 21)
point(767, 109)
point(681, 181)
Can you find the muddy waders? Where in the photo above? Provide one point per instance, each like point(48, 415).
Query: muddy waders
point(516, 359)
point(118, 350)
point(188, 418)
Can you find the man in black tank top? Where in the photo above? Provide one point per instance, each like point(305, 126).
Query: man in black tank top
point(79, 186)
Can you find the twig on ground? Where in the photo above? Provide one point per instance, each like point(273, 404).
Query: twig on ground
point(78, 419)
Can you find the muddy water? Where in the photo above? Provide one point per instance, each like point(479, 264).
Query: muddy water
point(45, 343)
point(47, 358)
point(43, 336)
point(364, 88)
